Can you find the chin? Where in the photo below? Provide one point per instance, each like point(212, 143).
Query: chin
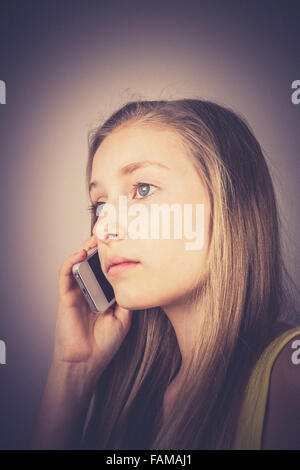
point(133, 302)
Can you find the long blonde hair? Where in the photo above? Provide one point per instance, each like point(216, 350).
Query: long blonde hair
point(245, 287)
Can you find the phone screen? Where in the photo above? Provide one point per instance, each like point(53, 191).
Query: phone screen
point(95, 265)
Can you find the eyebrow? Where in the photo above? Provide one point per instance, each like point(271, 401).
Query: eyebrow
point(130, 168)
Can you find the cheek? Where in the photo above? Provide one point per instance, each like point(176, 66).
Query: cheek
point(168, 271)
point(168, 265)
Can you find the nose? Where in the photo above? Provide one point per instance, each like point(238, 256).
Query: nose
point(107, 228)
point(102, 235)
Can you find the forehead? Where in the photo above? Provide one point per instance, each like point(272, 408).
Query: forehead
point(136, 143)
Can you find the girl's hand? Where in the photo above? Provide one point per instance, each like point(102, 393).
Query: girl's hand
point(81, 335)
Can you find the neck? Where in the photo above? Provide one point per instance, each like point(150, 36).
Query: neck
point(185, 318)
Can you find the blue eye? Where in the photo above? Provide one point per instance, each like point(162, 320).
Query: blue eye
point(99, 207)
point(96, 208)
point(143, 187)
point(139, 188)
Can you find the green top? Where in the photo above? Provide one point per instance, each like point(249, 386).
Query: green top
point(251, 418)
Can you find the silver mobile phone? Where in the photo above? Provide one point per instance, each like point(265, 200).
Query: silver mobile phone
point(95, 287)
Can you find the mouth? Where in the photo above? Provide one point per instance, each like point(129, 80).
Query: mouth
point(118, 268)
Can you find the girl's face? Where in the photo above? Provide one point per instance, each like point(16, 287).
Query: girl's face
point(167, 272)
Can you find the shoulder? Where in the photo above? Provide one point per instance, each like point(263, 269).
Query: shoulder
point(281, 428)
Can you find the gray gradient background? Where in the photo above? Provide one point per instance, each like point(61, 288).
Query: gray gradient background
point(67, 64)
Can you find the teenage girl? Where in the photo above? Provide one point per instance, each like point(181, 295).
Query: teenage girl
point(196, 352)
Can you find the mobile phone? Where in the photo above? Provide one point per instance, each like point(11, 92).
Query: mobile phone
point(96, 289)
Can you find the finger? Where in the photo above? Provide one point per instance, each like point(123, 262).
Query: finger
point(65, 277)
point(89, 243)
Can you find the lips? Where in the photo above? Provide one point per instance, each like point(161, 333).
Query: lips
point(117, 260)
